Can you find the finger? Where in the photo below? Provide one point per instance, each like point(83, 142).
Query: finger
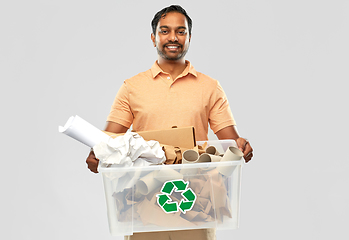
point(248, 157)
point(247, 148)
point(246, 142)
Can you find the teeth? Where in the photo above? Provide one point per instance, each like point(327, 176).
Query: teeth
point(172, 47)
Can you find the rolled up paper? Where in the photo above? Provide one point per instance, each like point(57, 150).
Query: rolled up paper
point(190, 156)
point(84, 132)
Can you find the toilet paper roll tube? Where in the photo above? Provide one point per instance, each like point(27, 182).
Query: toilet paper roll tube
point(167, 174)
point(232, 154)
point(206, 157)
point(212, 150)
point(148, 183)
point(190, 156)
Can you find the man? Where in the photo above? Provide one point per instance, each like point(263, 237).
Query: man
point(173, 93)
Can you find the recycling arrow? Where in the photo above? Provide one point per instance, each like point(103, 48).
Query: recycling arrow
point(186, 204)
point(170, 207)
point(167, 188)
point(162, 199)
point(180, 185)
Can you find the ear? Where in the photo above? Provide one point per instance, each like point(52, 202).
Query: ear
point(189, 38)
point(153, 39)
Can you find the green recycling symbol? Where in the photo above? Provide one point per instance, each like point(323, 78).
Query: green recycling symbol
point(165, 202)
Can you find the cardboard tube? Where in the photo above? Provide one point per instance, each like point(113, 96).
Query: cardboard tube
point(226, 171)
point(212, 150)
point(190, 156)
point(189, 171)
point(147, 184)
point(206, 157)
point(167, 174)
point(232, 154)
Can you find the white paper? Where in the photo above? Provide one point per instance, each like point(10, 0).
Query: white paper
point(129, 150)
point(84, 132)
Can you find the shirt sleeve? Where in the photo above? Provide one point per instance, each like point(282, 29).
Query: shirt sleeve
point(220, 114)
point(120, 111)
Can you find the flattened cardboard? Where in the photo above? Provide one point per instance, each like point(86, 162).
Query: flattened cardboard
point(178, 137)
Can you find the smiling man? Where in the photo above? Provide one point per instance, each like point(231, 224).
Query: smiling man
point(173, 93)
point(171, 37)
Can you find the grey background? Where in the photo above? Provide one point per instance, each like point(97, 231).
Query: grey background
point(283, 65)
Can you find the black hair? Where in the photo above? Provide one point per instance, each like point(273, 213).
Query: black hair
point(163, 12)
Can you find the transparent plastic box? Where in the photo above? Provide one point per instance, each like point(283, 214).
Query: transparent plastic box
point(174, 197)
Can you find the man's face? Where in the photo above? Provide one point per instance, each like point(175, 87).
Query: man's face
point(172, 36)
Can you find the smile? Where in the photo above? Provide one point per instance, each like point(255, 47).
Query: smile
point(171, 47)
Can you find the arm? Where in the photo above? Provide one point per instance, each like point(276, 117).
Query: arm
point(92, 161)
point(115, 128)
point(231, 132)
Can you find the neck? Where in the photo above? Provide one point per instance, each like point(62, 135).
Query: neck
point(173, 67)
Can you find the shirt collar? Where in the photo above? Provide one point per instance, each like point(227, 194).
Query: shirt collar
point(155, 69)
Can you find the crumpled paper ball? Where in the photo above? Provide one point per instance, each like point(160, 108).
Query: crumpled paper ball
point(128, 150)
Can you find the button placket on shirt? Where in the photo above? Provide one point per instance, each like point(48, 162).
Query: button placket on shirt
point(170, 81)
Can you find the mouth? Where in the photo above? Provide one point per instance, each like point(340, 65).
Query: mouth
point(173, 47)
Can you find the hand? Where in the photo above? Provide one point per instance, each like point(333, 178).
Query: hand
point(92, 162)
point(245, 147)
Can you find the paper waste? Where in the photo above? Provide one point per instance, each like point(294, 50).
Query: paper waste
point(127, 150)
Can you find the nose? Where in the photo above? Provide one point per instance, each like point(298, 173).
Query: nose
point(173, 36)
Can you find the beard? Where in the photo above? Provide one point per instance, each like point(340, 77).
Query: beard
point(164, 55)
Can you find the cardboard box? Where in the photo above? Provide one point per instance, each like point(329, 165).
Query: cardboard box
point(178, 137)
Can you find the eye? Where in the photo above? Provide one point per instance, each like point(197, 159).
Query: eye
point(163, 31)
point(181, 32)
